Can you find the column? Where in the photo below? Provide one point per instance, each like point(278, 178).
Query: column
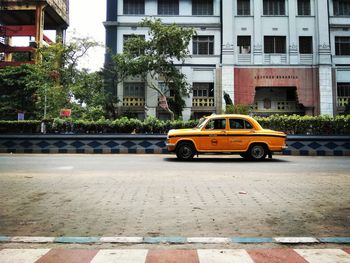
point(257, 37)
point(293, 38)
point(8, 42)
point(325, 62)
point(228, 43)
point(39, 29)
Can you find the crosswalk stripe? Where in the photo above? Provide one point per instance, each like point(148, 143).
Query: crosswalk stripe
point(324, 255)
point(223, 256)
point(122, 256)
point(285, 255)
point(21, 255)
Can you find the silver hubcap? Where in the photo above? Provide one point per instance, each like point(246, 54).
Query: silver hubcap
point(258, 152)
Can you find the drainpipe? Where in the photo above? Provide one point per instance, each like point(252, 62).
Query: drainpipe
point(221, 30)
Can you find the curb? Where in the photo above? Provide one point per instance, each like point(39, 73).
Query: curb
point(175, 240)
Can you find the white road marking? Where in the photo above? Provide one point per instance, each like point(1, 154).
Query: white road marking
point(122, 256)
point(324, 255)
point(21, 255)
point(224, 256)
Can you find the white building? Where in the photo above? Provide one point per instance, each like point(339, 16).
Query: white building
point(281, 56)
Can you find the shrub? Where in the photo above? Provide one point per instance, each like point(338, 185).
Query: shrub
point(294, 124)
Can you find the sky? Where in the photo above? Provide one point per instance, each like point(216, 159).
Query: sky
point(86, 18)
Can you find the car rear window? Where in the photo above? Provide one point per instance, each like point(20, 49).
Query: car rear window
point(239, 124)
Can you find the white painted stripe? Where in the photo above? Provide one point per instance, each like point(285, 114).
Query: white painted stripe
point(291, 240)
point(122, 256)
point(224, 256)
point(214, 240)
point(23, 239)
point(21, 255)
point(324, 255)
point(121, 239)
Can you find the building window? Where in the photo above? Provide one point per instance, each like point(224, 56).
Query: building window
point(341, 7)
point(203, 45)
point(243, 43)
point(127, 37)
point(343, 89)
point(168, 7)
point(342, 46)
point(305, 45)
point(134, 7)
point(274, 44)
point(134, 89)
point(202, 7)
point(274, 7)
point(304, 8)
point(203, 89)
point(243, 7)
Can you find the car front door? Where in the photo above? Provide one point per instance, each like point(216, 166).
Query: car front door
point(213, 135)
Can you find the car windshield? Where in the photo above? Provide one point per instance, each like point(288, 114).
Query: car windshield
point(201, 123)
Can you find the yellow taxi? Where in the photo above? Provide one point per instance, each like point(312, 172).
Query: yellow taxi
point(226, 133)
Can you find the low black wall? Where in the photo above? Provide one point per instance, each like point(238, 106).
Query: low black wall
point(119, 143)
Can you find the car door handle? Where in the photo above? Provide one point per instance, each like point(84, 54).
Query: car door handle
point(212, 135)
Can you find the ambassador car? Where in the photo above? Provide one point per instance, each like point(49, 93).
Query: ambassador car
point(229, 133)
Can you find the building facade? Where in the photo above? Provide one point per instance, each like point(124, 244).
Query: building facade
point(29, 18)
point(279, 56)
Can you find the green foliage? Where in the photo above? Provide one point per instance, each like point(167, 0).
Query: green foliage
point(238, 109)
point(18, 92)
point(307, 125)
point(53, 84)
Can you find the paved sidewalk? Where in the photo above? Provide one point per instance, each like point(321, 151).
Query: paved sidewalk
point(274, 255)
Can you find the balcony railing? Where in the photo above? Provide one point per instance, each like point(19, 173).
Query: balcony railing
point(343, 101)
point(244, 58)
point(277, 106)
point(203, 102)
point(306, 59)
point(275, 59)
point(133, 102)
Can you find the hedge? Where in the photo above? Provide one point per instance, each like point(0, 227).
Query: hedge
point(294, 124)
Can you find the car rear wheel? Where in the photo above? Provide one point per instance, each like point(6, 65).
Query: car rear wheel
point(257, 152)
point(185, 151)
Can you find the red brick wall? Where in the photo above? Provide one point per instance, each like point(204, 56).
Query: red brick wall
point(305, 80)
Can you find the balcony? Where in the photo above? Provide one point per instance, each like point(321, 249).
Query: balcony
point(244, 58)
point(133, 102)
point(22, 12)
point(306, 59)
point(203, 102)
point(277, 107)
point(275, 59)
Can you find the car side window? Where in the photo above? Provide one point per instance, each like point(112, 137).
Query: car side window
point(239, 124)
point(216, 124)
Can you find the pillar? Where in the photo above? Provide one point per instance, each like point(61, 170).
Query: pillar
point(228, 44)
point(325, 62)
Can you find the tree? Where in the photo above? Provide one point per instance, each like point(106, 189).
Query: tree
point(16, 92)
point(156, 57)
point(42, 90)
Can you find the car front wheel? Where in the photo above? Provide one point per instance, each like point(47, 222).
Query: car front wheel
point(185, 151)
point(257, 152)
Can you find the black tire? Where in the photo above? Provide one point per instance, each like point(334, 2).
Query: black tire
point(257, 152)
point(185, 151)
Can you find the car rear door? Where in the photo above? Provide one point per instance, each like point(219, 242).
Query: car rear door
point(239, 134)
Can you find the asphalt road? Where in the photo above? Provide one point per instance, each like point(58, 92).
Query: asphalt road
point(156, 195)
